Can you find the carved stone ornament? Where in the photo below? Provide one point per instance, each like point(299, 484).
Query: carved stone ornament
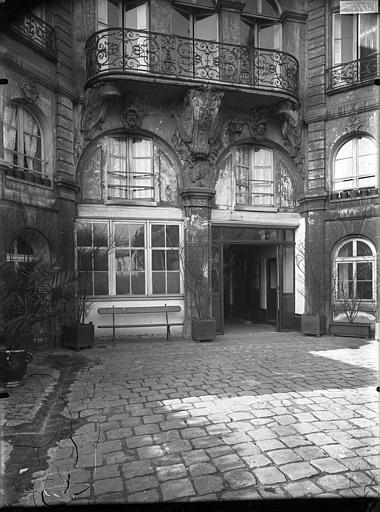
point(30, 90)
point(291, 129)
point(95, 107)
point(354, 124)
point(133, 114)
point(197, 139)
point(258, 123)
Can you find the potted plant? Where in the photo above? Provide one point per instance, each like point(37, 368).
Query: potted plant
point(33, 302)
point(350, 307)
point(315, 292)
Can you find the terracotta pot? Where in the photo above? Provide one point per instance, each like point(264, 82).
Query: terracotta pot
point(13, 365)
point(203, 330)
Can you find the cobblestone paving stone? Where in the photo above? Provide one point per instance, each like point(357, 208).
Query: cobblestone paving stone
point(265, 415)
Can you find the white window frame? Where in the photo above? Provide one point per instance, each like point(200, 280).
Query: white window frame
point(20, 154)
point(147, 254)
point(355, 177)
point(251, 180)
point(354, 260)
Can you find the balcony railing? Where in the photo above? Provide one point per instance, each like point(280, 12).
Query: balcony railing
point(118, 50)
point(354, 73)
point(34, 31)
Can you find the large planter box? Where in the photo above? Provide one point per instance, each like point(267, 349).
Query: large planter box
point(78, 336)
point(354, 329)
point(313, 324)
point(203, 330)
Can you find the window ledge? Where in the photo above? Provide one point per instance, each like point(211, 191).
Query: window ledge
point(131, 202)
point(114, 298)
point(30, 183)
point(242, 207)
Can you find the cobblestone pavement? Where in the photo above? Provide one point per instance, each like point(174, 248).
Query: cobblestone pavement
point(250, 416)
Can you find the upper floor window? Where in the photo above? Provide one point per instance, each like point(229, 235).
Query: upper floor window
point(23, 145)
point(355, 164)
point(131, 14)
point(254, 176)
point(355, 37)
point(260, 26)
point(355, 271)
point(129, 168)
point(195, 23)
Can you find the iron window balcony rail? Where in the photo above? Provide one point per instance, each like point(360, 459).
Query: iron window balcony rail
point(353, 73)
point(118, 50)
point(32, 30)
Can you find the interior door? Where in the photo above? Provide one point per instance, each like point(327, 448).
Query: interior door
point(217, 286)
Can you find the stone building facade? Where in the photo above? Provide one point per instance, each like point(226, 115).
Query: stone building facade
point(242, 134)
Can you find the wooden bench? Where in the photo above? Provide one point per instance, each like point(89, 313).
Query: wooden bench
point(146, 310)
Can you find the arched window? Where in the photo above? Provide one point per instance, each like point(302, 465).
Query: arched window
point(23, 144)
point(355, 271)
point(129, 169)
point(254, 176)
point(260, 26)
point(26, 246)
point(355, 164)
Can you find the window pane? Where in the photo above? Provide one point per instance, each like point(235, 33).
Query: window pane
point(122, 235)
point(138, 283)
point(100, 234)
point(84, 235)
point(366, 146)
point(364, 271)
point(367, 34)
point(344, 38)
point(158, 260)
point(158, 235)
point(345, 281)
point(346, 151)
point(100, 283)
point(181, 24)
point(84, 257)
point(173, 282)
point(137, 235)
point(122, 284)
point(246, 34)
point(343, 168)
point(364, 290)
point(367, 164)
point(141, 148)
point(158, 282)
point(123, 261)
point(100, 260)
point(85, 283)
point(367, 182)
point(206, 27)
point(137, 260)
point(172, 236)
point(362, 249)
point(136, 17)
point(346, 250)
point(172, 260)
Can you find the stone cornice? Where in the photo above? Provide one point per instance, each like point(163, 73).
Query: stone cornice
point(297, 17)
point(39, 78)
point(342, 111)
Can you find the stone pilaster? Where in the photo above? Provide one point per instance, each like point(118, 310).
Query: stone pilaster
point(197, 254)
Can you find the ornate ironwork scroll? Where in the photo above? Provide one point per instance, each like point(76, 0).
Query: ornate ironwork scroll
point(354, 73)
point(34, 30)
point(135, 51)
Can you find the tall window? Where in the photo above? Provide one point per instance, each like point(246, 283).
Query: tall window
point(23, 147)
point(134, 259)
point(355, 164)
point(20, 250)
point(355, 37)
point(260, 26)
point(254, 176)
point(129, 163)
point(355, 270)
point(92, 257)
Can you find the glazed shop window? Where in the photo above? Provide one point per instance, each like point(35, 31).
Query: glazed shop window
point(130, 172)
point(355, 164)
point(23, 145)
point(355, 271)
point(165, 259)
point(355, 37)
point(254, 176)
point(92, 246)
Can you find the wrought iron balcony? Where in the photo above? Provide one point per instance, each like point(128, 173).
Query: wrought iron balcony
point(354, 73)
point(117, 50)
point(33, 31)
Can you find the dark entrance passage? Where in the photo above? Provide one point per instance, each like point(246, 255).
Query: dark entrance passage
point(253, 276)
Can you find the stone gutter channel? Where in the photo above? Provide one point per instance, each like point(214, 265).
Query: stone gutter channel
point(34, 418)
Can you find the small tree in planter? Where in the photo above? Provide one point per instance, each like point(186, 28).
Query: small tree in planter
point(315, 290)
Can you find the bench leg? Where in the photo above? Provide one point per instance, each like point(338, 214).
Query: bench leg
point(168, 332)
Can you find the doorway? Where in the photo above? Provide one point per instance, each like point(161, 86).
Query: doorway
point(253, 277)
